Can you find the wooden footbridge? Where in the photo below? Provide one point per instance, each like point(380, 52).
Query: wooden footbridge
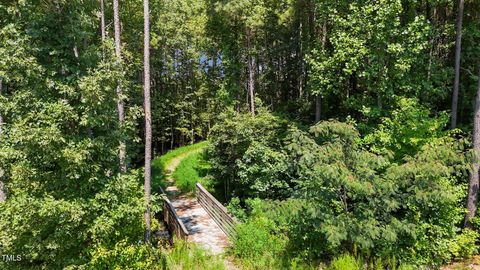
point(202, 219)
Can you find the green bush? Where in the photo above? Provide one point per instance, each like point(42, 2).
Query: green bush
point(56, 233)
point(246, 155)
point(345, 262)
point(127, 256)
point(142, 257)
point(407, 267)
point(465, 244)
point(406, 206)
point(258, 245)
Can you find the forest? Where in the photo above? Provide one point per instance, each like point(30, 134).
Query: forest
point(334, 134)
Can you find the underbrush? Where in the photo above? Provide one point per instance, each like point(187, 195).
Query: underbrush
point(132, 256)
point(268, 237)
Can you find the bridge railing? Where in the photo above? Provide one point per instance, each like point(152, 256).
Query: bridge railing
point(217, 211)
point(174, 224)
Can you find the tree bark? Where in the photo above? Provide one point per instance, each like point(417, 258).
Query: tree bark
point(474, 177)
point(302, 62)
point(120, 103)
point(3, 195)
point(102, 21)
point(148, 120)
point(251, 73)
point(458, 49)
point(318, 108)
point(318, 98)
point(1, 118)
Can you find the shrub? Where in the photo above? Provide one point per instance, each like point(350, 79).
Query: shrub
point(465, 244)
point(357, 198)
point(127, 256)
point(351, 195)
point(138, 256)
point(258, 245)
point(56, 233)
point(246, 154)
point(345, 262)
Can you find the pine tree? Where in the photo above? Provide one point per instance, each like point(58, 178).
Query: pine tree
point(148, 119)
point(458, 49)
point(120, 103)
point(474, 174)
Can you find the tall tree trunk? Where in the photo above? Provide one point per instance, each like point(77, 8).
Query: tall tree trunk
point(302, 62)
point(474, 177)
point(251, 72)
point(1, 118)
point(148, 119)
point(102, 21)
point(318, 108)
point(3, 196)
point(458, 49)
point(120, 103)
point(318, 98)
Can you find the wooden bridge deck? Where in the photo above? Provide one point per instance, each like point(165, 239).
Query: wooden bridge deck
point(202, 229)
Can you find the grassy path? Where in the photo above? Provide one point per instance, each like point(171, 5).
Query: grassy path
point(164, 166)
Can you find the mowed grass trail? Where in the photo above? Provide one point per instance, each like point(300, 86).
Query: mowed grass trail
point(192, 169)
point(167, 164)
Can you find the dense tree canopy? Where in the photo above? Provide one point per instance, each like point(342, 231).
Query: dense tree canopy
point(328, 125)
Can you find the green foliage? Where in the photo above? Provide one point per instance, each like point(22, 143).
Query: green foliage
point(465, 244)
point(258, 242)
point(261, 241)
point(388, 190)
point(359, 199)
point(125, 256)
point(52, 233)
point(345, 262)
point(374, 43)
point(134, 256)
point(350, 198)
point(58, 150)
point(407, 129)
point(191, 170)
point(189, 256)
point(246, 155)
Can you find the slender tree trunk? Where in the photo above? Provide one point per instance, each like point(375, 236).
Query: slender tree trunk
point(3, 196)
point(474, 177)
point(251, 73)
point(318, 108)
point(458, 49)
point(1, 118)
point(102, 21)
point(148, 119)
point(302, 63)
point(120, 103)
point(318, 98)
